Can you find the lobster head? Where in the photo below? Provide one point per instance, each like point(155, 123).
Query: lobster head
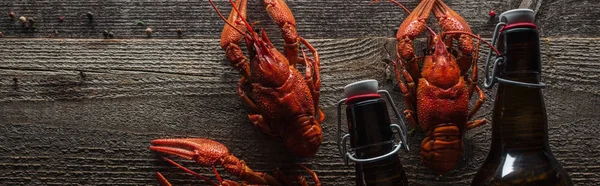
point(268, 66)
point(441, 68)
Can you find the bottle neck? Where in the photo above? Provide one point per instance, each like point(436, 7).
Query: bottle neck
point(369, 127)
point(519, 118)
point(371, 136)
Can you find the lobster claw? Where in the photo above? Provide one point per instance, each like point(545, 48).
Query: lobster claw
point(281, 14)
point(449, 20)
point(191, 149)
point(231, 35)
point(410, 29)
point(413, 26)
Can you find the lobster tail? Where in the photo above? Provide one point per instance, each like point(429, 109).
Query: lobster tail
point(442, 148)
point(304, 136)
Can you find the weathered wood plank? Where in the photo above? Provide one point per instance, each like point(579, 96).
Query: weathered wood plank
point(82, 69)
point(60, 127)
point(49, 69)
point(572, 63)
point(531, 4)
point(315, 19)
point(572, 18)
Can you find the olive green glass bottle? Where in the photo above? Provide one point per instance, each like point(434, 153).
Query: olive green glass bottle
point(520, 154)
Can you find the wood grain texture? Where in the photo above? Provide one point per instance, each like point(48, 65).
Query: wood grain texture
point(80, 111)
point(315, 18)
point(572, 18)
point(531, 4)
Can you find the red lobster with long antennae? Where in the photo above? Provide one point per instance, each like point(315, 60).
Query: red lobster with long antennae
point(440, 96)
point(285, 101)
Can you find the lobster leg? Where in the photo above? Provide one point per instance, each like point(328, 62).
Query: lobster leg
point(245, 97)
point(259, 122)
point(478, 103)
point(284, 179)
point(474, 73)
point(163, 181)
point(408, 94)
point(474, 124)
point(473, 84)
point(231, 36)
point(312, 174)
point(301, 179)
point(283, 17)
point(256, 119)
point(313, 75)
point(410, 116)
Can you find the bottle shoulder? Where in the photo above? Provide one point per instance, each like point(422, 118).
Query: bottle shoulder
point(522, 167)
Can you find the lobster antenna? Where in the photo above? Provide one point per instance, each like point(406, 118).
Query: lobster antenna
point(190, 171)
point(217, 174)
point(405, 9)
point(223, 18)
point(393, 1)
point(238, 12)
point(475, 36)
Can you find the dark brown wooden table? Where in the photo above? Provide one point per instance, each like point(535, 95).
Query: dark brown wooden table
point(77, 109)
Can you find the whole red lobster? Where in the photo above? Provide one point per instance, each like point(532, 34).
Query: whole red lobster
point(285, 101)
point(438, 101)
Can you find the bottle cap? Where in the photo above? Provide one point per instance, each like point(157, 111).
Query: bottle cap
point(522, 15)
point(361, 87)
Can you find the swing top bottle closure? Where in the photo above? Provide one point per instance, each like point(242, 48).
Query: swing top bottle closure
point(519, 154)
point(373, 147)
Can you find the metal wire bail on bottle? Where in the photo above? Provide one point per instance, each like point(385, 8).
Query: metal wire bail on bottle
point(401, 129)
point(490, 80)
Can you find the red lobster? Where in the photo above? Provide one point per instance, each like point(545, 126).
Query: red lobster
point(211, 153)
point(443, 89)
point(285, 101)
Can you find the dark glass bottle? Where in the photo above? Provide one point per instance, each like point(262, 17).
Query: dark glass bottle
point(371, 117)
point(371, 136)
point(520, 154)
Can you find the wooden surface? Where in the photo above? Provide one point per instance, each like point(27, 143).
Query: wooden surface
point(316, 19)
point(531, 4)
point(78, 109)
